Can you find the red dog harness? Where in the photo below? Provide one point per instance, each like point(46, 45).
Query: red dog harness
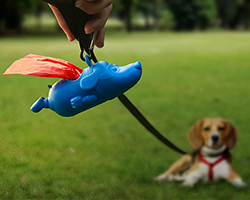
point(211, 165)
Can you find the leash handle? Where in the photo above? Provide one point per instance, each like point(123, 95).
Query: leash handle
point(76, 20)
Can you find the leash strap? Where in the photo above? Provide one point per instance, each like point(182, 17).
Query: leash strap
point(76, 20)
point(137, 114)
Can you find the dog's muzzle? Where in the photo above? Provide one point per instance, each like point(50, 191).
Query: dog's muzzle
point(215, 140)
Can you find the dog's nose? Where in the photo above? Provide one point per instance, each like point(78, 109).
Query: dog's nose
point(215, 138)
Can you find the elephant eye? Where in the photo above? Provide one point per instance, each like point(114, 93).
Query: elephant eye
point(113, 68)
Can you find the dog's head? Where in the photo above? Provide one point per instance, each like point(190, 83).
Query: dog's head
point(212, 133)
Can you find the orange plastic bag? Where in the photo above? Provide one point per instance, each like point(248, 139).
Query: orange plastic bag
point(42, 66)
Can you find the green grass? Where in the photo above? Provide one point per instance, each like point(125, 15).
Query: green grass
point(104, 153)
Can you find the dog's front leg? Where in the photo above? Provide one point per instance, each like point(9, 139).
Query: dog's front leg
point(196, 174)
point(192, 178)
point(172, 174)
point(235, 179)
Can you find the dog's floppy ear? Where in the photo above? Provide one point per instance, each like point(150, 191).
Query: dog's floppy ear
point(194, 136)
point(232, 135)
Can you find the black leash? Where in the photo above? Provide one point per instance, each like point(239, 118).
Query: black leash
point(137, 114)
point(76, 20)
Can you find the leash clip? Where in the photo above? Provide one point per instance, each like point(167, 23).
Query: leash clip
point(90, 50)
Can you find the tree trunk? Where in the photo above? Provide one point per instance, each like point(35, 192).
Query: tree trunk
point(39, 13)
point(2, 16)
point(13, 19)
point(128, 17)
point(146, 18)
point(156, 6)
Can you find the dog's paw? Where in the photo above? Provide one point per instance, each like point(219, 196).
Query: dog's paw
point(188, 183)
point(238, 183)
point(242, 186)
point(160, 178)
point(164, 178)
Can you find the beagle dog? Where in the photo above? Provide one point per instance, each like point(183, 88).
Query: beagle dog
point(212, 138)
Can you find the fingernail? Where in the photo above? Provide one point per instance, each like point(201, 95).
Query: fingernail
point(88, 30)
point(99, 45)
point(70, 38)
point(78, 3)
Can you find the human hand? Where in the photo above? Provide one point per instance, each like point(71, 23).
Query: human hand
point(100, 9)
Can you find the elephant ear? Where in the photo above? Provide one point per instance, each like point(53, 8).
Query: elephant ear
point(90, 81)
point(35, 65)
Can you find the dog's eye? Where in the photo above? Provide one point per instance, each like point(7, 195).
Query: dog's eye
point(206, 129)
point(221, 128)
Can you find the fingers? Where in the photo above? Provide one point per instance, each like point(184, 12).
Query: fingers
point(93, 6)
point(62, 23)
point(100, 9)
point(99, 42)
point(98, 21)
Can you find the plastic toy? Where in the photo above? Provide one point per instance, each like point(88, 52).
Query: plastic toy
point(80, 89)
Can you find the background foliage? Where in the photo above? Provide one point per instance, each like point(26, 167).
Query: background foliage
point(157, 14)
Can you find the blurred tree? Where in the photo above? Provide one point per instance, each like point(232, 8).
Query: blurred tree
point(227, 12)
point(145, 7)
point(12, 12)
point(39, 8)
point(166, 21)
point(123, 9)
point(234, 13)
point(194, 14)
point(2, 16)
point(245, 10)
point(150, 9)
point(157, 9)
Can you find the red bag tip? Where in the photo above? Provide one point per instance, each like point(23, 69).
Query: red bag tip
point(42, 66)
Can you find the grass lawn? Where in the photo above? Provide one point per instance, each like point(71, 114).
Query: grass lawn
point(104, 153)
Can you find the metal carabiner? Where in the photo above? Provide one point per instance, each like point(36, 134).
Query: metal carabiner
point(90, 51)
